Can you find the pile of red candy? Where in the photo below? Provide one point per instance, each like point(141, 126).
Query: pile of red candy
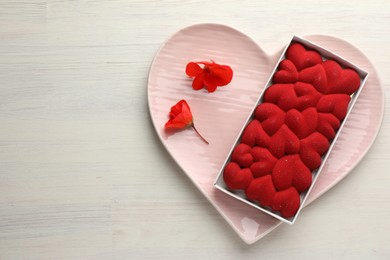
point(291, 130)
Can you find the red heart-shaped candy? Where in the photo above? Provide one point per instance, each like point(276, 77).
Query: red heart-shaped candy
point(301, 57)
point(291, 171)
point(284, 142)
point(337, 104)
point(283, 172)
point(236, 178)
point(302, 123)
point(287, 202)
point(302, 178)
point(312, 148)
point(242, 155)
point(316, 76)
point(287, 96)
point(261, 189)
point(254, 134)
point(307, 95)
point(270, 116)
point(328, 124)
point(286, 73)
point(283, 95)
point(263, 161)
point(342, 81)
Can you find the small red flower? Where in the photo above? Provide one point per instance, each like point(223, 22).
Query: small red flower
point(210, 75)
point(180, 116)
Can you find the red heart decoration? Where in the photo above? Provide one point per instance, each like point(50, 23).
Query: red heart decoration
point(286, 73)
point(263, 163)
point(283, 172)
point(261, 189)
point(302, 177)
point(284, 142)
point(270, 116)
point(254, 134)
point(307, 95)
point(242, 155)
point(337, 104)
point(283, 95)
point(287, 202)
point(312, 148)
point(316, 76)
point(287, 96)
point(301, 57)
point(236, 178)
point(342, 81)
point(302, 123)
point(291, 171)
point(328, 124)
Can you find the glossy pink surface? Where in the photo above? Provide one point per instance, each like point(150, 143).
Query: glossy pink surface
point(219, 116)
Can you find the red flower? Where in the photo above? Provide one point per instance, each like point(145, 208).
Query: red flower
point(210, 76)
point(180, 116)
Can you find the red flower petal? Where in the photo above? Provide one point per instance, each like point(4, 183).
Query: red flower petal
point(209, 75)
point(180, 115)
point(198, 82)
point(193, 69)
point(176, 110)
point(178, 122)
point(222, 74)
point(210, 82)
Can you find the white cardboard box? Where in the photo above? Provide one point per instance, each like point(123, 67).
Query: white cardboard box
point(239, 194)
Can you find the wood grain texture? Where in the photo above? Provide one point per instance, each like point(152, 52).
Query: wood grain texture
point(82, 172)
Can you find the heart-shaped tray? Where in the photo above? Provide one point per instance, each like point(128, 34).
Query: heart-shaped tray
point(219, 116)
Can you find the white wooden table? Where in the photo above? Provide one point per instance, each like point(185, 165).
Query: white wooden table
point(82, 172)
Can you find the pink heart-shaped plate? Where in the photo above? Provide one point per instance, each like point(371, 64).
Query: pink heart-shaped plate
point(219, 116)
